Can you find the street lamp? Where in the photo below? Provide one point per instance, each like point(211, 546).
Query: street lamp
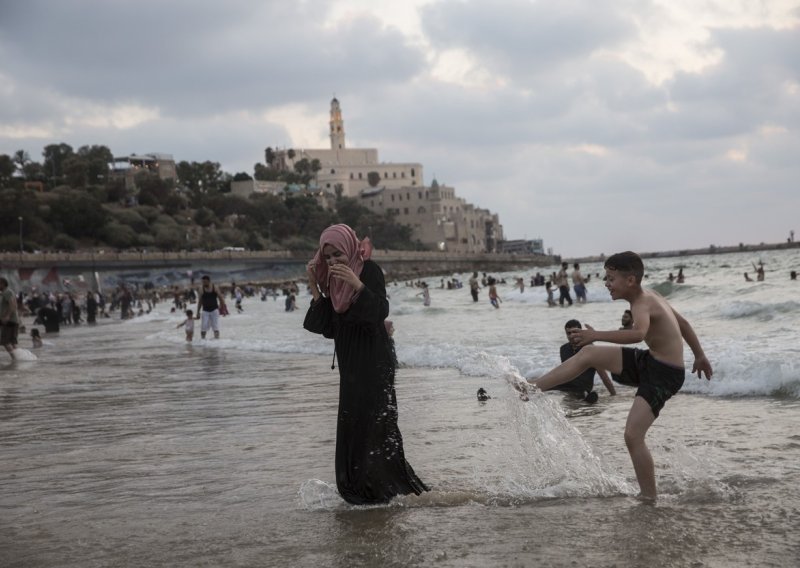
point(269, 231)
point(20, 237)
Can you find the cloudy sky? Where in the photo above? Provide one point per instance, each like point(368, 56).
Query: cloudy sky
point(596, 125)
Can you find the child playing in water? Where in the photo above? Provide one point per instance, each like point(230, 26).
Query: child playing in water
point(188, 325)
point(426, 294)
point(493, 297)
point(36, 338)
point(658, 372)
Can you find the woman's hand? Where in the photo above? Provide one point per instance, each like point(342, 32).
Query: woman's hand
point(346, 274)
point(311, 273)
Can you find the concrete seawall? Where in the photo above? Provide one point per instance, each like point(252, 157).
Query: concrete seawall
point(60, 271)
point(693, 252)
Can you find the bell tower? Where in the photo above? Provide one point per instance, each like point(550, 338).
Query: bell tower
point(337, 126)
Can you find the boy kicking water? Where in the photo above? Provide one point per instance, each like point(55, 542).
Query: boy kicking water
point(657, 372)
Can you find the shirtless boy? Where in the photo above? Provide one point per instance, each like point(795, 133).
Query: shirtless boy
point(657, 372)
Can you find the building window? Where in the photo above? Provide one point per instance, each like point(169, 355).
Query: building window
point(413, 173)
point(392, 197)
point(402, 174)
point(405, 210)
point(359, 175)
point(408, 196)
point(333, 171)
point(385, 175)
point(421, 211)
point(399, 197)
point(419, 194)
point(327, 185)
point(394, 174)
point(352, 176)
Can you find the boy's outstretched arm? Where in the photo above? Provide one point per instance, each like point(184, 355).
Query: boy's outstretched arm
point(701, 363)
point(581, 337)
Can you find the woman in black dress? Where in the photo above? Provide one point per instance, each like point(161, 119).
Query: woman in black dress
point(349, 305)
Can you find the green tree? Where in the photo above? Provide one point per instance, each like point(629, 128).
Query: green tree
point(78, 215)
point(316, 166)
point(152, 189)
point(263, 173)
point(374, 178)
point(201, 179)
point(17, 202)
point(189, 176)
point(75, 171)
point(116, 192)
point(223, 205)
point(242, 176)
point(64, 242)
point(205, 217)
point(306, 216)
point(96, 160)
point(34, 171)
point(174, 203)
point(132, 219)
point(118, 235)
point(303, 167)
point(169, 238)
point(269, 155)
point(54, 156)
point(7, 169)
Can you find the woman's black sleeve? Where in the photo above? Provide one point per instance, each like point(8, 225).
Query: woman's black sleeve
point(319, 318)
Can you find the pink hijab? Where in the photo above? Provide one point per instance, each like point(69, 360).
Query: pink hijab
point(343, 239)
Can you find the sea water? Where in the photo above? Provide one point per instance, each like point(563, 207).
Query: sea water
point(122, 445)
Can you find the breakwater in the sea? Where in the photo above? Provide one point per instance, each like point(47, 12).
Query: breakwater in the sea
point(59, 271)
point(741, 247)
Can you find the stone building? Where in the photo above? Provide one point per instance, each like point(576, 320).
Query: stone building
point(437, 217)
point(348, 169)
point(126, 167)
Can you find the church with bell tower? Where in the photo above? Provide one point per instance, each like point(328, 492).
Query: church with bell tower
point(337, 126)
point(350, 170)
point(436, 215)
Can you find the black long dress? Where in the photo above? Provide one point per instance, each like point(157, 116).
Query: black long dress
point(370, 463)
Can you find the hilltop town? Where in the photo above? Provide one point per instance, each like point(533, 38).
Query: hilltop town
point(90, 199)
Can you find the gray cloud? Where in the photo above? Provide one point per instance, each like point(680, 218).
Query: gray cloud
point(523, 38)
point(190, 58)
point(685, 163)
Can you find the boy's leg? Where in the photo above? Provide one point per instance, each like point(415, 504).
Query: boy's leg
point(640, 418)
point(600, 357)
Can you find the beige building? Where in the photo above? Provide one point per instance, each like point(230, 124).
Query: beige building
point(350, 168)
point(438, 218)
point(128, 166)
point(247, 187)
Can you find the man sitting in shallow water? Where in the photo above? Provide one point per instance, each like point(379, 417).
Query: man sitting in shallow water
point(582, 385)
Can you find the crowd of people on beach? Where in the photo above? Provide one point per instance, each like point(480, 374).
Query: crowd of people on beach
point(350, 305)
point(76, 305)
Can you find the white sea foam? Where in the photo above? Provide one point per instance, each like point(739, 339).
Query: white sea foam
point(23, 355)
point(747, 329)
